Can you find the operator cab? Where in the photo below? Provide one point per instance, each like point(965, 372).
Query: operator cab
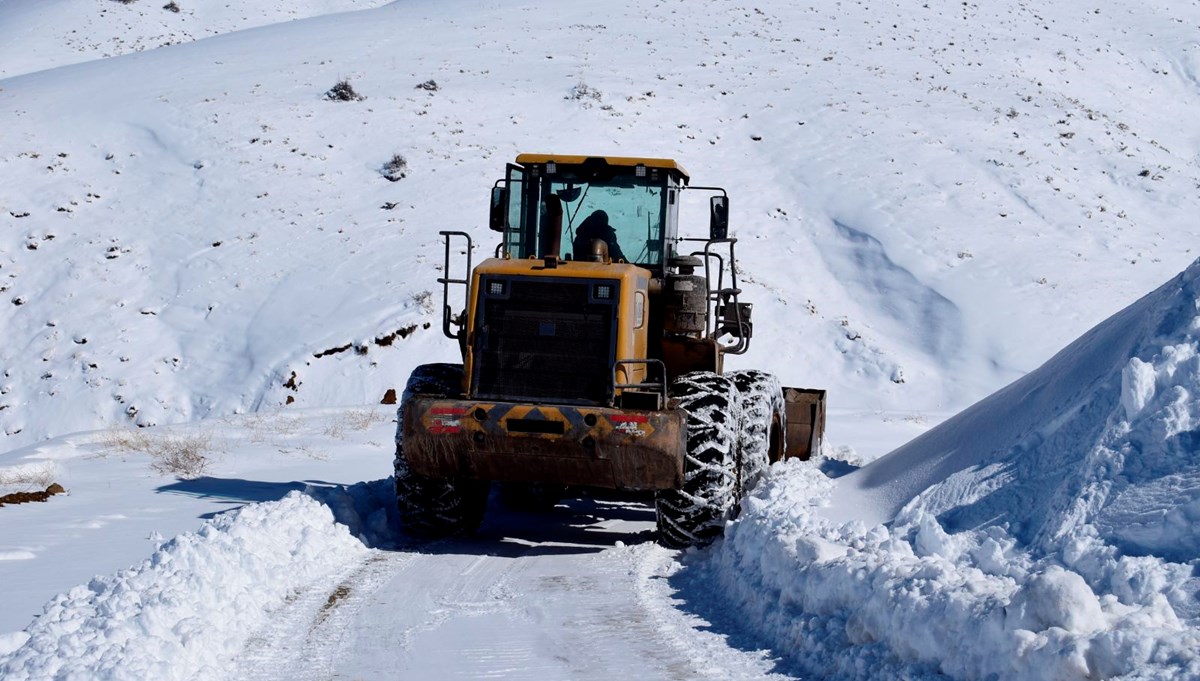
point(589, 209)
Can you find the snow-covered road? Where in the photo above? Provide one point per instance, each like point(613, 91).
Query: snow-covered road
point(577, 593)
point(300, 572)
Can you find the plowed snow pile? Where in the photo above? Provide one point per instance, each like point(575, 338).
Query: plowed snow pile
point(185, 612)
point(1048, 532)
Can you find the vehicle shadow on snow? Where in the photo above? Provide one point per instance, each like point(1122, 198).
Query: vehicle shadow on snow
point(235, 492)
point(697, 593)
point(589, 523)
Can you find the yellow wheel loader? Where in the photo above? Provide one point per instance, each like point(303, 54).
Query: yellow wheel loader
point(593, 346)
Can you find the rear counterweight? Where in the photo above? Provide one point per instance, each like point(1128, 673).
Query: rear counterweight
point(561, 444)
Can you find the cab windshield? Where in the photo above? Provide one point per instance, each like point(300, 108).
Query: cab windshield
point(566, 212)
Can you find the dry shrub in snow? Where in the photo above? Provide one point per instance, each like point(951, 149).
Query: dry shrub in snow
point(585, 94)
point(26, 476)
point(343, 91)
point(267, 427)
point(396, 169)
point(354, 419)
point(184, 456)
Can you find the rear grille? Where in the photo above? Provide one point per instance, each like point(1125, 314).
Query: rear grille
point(545, 339)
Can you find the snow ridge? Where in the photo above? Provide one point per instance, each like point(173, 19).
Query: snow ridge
point(186, 611)
point(914, 602)
point(1052, 534)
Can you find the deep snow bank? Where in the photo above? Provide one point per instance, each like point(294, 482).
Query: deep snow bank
point(1106, 433)
point(1048, 532)
point(185, 612)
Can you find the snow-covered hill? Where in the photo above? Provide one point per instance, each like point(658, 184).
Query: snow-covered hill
point(932, 199)
point(184, 228)
point(37, 36)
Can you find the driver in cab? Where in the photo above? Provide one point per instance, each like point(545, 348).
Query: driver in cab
point(595, 226)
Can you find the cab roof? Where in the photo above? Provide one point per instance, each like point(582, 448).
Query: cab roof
point(626, 161)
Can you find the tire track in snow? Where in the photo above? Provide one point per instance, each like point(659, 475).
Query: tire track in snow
point(305, 635)
point(531, 596)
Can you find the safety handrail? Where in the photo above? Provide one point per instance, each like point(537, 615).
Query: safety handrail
point(658, 386)
point(721, 297)
point(448, 316)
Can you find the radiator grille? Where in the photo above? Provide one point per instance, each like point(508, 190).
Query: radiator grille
point(545, 339)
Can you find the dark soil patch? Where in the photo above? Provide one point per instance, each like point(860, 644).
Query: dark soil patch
point(26, 497)
point(341, 592)
point(338, 594)
point(382, 341)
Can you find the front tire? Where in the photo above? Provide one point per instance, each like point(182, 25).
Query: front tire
point(435, 507)
point(695, 514)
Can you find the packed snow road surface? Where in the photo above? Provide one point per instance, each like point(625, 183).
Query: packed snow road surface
point(319, 585)
point(555, 595)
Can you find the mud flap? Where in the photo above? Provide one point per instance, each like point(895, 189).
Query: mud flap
point(804, 410)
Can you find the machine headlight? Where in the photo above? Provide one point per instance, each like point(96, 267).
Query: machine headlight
point(495, 288)
point(604, 291)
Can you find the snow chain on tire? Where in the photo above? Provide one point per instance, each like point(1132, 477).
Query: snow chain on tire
point(763, 425)
point(696, 513)
point(432, 507)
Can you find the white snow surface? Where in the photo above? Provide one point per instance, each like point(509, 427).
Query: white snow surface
point(197, 251)
point(184, 613)
point(35, 36)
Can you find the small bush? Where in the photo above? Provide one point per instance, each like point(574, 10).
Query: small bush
point(171, 7)
point(353, 419)
point(343, 91)
point(425, 300)
point(395, 169)
point(429, 86)
point(269, 427)
point(26, 476)
point(185, 456)
point(584, 94)
point(361, 419)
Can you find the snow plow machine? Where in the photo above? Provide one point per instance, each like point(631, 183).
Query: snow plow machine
point(593, 346)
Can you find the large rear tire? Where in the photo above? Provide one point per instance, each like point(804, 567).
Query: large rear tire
point(435, 507)
point(762, 432)
point(695, 514)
